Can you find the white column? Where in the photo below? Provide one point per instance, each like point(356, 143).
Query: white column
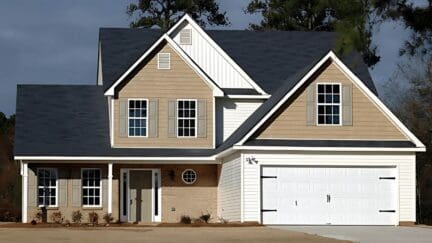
point(110, 176)
point(24, 174)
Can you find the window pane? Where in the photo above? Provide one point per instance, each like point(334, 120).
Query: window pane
point(336, 109)
point(336, 89)
point(320, 88)
point(328, 110)
point(321, 119)
point(328, 119)
point(336, 99)
point(328, 88)
point(336, 119)
point(328, 99)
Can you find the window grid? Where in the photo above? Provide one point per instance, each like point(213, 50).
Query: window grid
point(186, 118)
point(329, 104)
point(189, 176)
point(91, 187)
point(137, 118)
point(47, 187)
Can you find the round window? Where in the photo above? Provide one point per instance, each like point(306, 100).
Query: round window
point(189, 176)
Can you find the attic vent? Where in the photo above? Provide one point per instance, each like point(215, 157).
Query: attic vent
point(186, 37)
point(164, 61)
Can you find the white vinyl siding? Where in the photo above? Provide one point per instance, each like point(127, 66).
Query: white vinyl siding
point(230, 114)
point(229, 189)
point(212, 62)
point(404, 163)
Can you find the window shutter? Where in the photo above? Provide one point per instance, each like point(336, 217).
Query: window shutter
point(202, 119)
point(62, 187)
point(153, 119)
point(32, 188)
point(76, 188)
point(164, 61)
point(347, 105)
point(123, 117)
point(311, 105)
point(172, 117)
point(186, 37)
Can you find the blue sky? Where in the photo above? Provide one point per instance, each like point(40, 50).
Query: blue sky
point(55, 42)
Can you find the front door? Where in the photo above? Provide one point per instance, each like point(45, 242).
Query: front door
point(140, 189)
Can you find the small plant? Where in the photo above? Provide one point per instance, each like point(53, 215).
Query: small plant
point(39, 216)
point(93, 218)
point(33, 222)
point(108, 218)
point(205, 218)
point(76, 217)
point(56, 217)
point(184, 219)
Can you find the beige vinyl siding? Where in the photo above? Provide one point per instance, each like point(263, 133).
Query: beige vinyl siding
point(178, 198)
point(368, 121)
point(179, 82)
point(68, 174)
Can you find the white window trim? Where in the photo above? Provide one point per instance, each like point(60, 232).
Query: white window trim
point(195, 118)
point(147, 117)
point(169, 60)
point(196, 176)
point(190, 36)
point(318, 104)
point(93, 187)
point(56, 187)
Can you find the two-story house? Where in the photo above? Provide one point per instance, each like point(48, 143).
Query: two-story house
point(270, 126)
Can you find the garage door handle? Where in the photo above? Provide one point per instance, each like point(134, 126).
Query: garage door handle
point(268, 210)
point(387, 211)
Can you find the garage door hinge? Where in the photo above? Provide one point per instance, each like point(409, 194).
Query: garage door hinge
point(268, 210)
point(387, 178)
point(266, 177)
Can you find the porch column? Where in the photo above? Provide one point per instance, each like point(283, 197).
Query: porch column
point(110, 176)
point(24, 174)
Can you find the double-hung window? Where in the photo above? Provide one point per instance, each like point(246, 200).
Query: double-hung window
point(47, 187)
point(186, 118)
point(137, 118)
point(91, 188)
point(329, 104)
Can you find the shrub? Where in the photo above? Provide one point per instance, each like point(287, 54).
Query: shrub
point(205, 217)
point(33, 222)
point(76, 216)
point(185, 219)
point(39, 216)
point(93, 218)
point(56, 217)
point(108, 218)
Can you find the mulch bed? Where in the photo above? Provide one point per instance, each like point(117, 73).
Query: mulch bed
point(116, 225)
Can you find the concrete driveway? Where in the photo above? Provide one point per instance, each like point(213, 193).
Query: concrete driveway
point(158, 235)
point(368, 234)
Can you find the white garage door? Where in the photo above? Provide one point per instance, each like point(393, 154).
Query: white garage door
point(329, 195)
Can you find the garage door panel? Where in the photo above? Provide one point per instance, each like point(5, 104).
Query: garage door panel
point(330, 195)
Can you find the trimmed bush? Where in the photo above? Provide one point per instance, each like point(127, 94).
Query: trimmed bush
point(185, 219)
point(76, 217)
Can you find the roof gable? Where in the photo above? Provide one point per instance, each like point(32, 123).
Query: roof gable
point(273, 105)
point(165, 39)
point(369, 122)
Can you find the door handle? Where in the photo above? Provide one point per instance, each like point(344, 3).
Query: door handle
point(296, 202)
point(329, 198)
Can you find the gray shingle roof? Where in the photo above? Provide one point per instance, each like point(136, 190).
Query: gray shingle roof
point(72, 120)
point(268, 57)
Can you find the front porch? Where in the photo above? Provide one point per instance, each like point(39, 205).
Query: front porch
point(130, 192)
